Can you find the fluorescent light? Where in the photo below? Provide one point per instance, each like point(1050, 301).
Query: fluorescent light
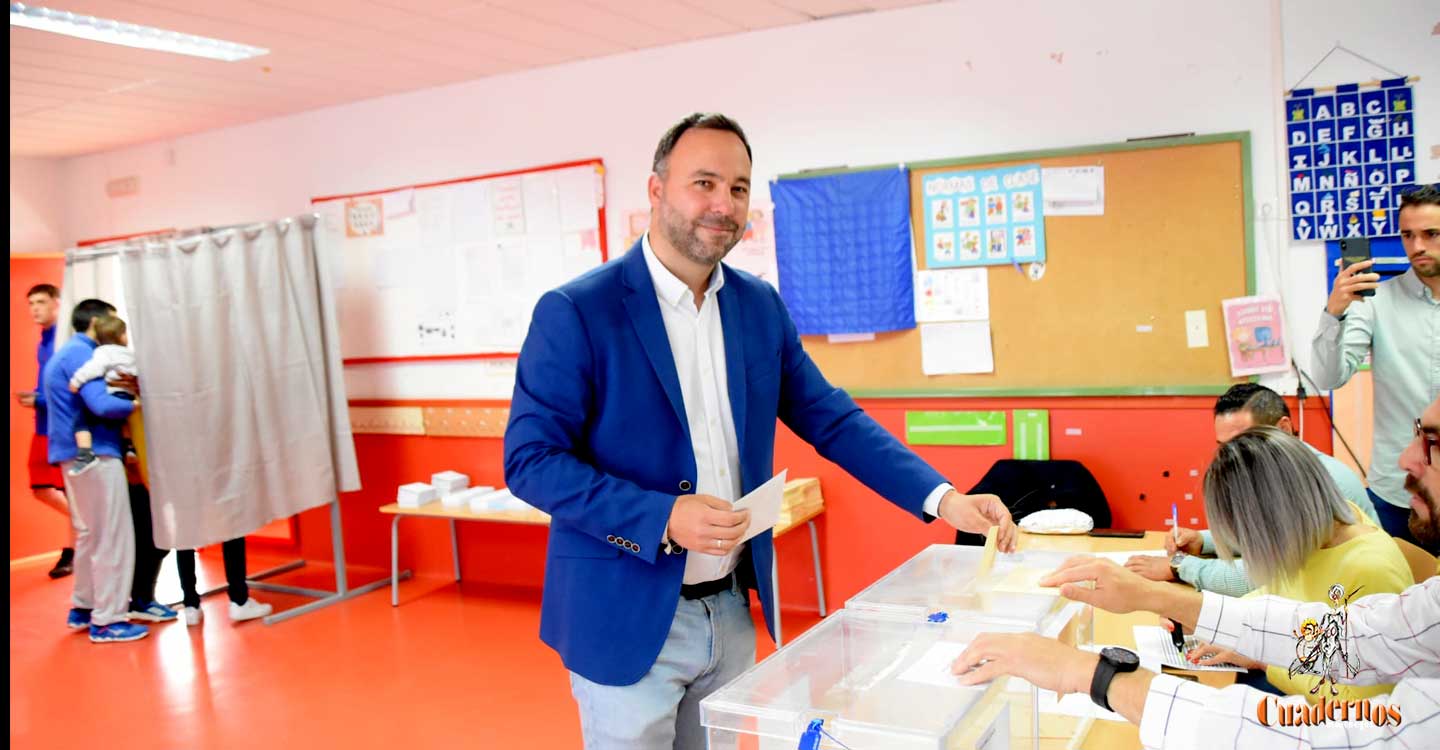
point(129, 34)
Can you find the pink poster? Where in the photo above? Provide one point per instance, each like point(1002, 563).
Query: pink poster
point(1255, 332)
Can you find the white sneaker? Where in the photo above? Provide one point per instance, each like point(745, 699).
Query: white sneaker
point(250, 610)
point(193, 616)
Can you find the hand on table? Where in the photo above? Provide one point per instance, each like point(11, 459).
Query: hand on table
point(1150, 566)
point(1043, 662)
point(1210, 655)
point(1116, 589)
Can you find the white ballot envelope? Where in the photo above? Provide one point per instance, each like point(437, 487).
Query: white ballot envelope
point(764, 504)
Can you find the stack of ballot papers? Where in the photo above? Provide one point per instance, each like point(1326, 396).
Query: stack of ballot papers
point(415, 494)
point(461, 500)
point(500, 499)
point(447, 482)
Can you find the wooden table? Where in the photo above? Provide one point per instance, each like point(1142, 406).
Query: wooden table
point(1116, 629)
point(795, 490)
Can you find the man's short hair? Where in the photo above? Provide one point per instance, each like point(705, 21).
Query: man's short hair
point(88, 310)
point(47, 289)
point(1425, 195)
point(702, 121)
point(1265, 406)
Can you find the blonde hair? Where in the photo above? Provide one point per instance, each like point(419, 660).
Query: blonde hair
point(109, 329)
point(1271, 501)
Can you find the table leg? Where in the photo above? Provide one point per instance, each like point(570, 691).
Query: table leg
point(819, 580)
point(454, 550)
point(395, 562)
point(775, 595)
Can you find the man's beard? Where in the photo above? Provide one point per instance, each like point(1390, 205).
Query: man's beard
point(684, 236)
point(1428, 272)
point(1427, 530)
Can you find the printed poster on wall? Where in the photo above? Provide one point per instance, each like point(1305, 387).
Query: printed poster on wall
point(1255, 332)
point(986, 217)
point(1351, 155)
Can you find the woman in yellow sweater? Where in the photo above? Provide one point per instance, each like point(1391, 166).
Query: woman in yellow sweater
point(1271, 502)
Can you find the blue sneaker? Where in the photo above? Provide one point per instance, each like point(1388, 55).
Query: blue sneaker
point(117, 632)
point(153, 612)
point(79, 619)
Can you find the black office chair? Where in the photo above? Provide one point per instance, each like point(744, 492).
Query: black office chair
point(1029, 486)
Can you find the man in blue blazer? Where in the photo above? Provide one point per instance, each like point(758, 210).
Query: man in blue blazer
point(645, 404)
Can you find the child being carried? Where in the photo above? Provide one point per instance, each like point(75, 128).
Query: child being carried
point(112, 360)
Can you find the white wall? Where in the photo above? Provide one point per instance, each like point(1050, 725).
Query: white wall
point(942, 80)
point(35, 206)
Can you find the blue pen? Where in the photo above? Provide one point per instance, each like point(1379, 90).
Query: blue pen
point(1175, 522)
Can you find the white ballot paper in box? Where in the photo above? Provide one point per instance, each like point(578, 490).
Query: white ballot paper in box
point(764, 504)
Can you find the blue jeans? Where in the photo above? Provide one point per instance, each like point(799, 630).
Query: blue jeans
point(1394, 519)
point(711, 641)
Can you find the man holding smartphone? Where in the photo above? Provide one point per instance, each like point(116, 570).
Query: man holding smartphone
point(1400, 327)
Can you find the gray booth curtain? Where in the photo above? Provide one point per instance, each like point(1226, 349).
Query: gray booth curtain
point(238, 347)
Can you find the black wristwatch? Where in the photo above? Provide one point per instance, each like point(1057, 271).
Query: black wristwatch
point(1113, 661)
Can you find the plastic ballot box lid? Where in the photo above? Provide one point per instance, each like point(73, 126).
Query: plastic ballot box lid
point(947, 579)
point(871, 680)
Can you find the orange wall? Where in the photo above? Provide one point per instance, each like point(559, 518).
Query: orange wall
point(34, 528)
point(1128, 443)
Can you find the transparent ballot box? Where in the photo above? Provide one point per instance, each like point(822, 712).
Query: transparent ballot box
point(876, 682)
point(943, 580)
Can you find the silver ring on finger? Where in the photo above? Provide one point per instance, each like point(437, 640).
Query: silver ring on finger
point(719, 543)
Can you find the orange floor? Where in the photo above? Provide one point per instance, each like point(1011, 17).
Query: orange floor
point(453, 666)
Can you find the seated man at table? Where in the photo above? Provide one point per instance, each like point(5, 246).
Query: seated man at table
point(1244, 406)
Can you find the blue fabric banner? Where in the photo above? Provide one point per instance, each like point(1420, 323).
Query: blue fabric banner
point(842, 244)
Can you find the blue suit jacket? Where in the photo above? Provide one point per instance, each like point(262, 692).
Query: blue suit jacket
point(598, 439)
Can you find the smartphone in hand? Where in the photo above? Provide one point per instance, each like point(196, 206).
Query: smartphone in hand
point(1356, 250)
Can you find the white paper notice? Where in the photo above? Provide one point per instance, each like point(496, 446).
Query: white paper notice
point(471, 212)
point(951, 348)
point(435, 206)
point(1074, 191)
point(849, 338)
point(507, 199)
point(579, 198)
point(764, 504)
point(1197, 332)
point(542, 204)
point(952, 294)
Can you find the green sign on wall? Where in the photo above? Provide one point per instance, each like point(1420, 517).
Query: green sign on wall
point(1032, 434)
point(955, 427)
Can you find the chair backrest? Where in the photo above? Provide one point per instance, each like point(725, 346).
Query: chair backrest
point(1422, 563)
point(1028, 486)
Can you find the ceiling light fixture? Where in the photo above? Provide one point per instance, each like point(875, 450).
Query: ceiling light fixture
point(129, 34)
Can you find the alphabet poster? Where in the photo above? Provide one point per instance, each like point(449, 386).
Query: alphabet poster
point(1351, 157)
point(984, 218)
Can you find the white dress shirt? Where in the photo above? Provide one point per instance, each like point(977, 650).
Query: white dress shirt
point(697, 342)
point(1391, 638)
